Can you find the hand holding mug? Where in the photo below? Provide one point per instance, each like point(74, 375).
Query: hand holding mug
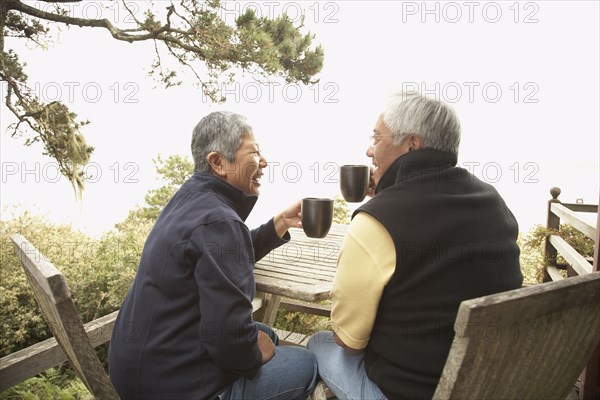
point(288, 218)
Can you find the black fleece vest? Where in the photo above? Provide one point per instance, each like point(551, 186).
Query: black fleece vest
point(455, 239)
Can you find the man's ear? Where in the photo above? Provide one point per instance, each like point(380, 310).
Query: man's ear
point(216, 163)
point(415, 142)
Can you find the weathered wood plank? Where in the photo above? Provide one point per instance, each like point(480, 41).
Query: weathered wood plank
point(308, 308)
point(524, 343)
point(54, 298)
point(293, 273)
point(47, 275)
point(293, 338)
point(290, 279)
point(554, 273)
point(591, 208)
point(272, 305)
point(571, 218)
point(257, 304)
point(576, 260)
point(552, 223)
point(326, 274)
point(319, 271)
point(282, 334)
point(306, 253)
point(27, 363)
point(499, 307)
point(306, 292)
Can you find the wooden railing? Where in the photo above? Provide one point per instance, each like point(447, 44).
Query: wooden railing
point(576, 264)
point(26, 363)
point(567, 213)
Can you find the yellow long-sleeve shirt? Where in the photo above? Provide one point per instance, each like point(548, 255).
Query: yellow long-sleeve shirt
point(366, 264)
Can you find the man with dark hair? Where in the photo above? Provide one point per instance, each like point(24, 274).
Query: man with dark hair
point(185, 330)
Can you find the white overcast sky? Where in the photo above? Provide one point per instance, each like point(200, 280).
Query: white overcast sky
point(523, 77)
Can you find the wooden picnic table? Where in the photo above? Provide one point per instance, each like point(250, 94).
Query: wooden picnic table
point(301, 269)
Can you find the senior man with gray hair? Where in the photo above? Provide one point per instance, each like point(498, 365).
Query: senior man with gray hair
point(185, 329)
point(432, 236)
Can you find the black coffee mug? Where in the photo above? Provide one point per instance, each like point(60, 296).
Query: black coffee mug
point(354, 182)
point(317, 216)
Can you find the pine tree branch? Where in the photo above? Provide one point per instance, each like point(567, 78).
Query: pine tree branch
point(190, 33)
point(162, 33)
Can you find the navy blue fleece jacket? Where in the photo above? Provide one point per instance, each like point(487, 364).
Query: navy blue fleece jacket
point(185, 328)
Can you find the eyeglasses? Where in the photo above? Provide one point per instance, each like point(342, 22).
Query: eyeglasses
point(376, 138)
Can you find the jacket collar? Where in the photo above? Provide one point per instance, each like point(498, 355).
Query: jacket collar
point(239, 201)
point(415, 163)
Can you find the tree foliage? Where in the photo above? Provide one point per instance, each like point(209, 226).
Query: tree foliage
point(195, 34)
point(98, 272)
point(341, 213)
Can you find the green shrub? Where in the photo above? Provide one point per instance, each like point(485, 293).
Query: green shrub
point(531, 258)
point(98, 273)
point(294, 321)
point(532, 249)
point(52, 384)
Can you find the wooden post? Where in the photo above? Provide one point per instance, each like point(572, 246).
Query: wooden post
point(590, 386)
point(268, 312)
point(552, 222)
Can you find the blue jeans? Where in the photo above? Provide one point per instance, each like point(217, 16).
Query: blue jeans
point(342, 372)
point(291, 374)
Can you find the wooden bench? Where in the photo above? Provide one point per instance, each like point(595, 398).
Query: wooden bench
point(528, 343)
point(531, 342)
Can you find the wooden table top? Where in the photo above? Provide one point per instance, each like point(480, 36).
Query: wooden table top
point(303, 268)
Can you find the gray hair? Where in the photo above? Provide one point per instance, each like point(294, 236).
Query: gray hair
point(434, 121)
point(219, 131)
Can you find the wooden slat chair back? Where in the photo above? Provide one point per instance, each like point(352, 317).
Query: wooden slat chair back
point(529, 343)
point(54, 298)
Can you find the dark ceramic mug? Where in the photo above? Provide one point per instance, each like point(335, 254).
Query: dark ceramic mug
point(317, 216)
point(354, 182)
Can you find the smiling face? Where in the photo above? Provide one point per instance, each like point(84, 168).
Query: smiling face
point(245, 171)
point(383, 152)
